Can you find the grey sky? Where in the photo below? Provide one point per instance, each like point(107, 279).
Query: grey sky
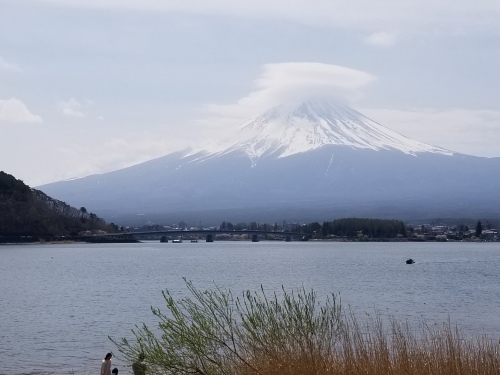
point(92, 86)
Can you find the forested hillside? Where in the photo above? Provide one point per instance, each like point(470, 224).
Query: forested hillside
point(29, 214)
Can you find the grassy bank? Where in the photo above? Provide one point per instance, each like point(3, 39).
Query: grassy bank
point(214, 332)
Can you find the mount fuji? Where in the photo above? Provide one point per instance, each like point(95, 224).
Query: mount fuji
point(309, 161)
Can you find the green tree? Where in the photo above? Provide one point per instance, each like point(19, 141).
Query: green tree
point(479, 229)
point(325, 229)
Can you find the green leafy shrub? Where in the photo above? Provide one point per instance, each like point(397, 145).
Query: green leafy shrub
point(214, 332)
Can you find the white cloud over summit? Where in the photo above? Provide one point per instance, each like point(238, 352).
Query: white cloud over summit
point(295, 81)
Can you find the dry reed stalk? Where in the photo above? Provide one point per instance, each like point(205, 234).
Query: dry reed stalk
point(370, 349)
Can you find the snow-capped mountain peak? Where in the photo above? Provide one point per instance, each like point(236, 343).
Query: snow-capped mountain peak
point(290, 129)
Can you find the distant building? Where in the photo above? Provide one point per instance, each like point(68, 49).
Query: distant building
point(489, 234)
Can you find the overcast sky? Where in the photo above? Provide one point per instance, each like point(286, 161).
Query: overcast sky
point(90, 86)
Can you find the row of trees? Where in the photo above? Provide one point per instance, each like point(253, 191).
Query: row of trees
point(355, 227)
point(251, 226)
point(350, 227)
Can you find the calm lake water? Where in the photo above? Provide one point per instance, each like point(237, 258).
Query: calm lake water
point(59, 303)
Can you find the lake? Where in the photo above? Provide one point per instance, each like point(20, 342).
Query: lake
point(59, 303)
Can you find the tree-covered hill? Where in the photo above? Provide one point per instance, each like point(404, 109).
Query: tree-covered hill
point(29, 214)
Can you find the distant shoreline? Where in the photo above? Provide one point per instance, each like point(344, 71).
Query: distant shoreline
point(71, 241)
point(129, 240)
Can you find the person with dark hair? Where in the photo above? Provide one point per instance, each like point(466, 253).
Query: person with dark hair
point(106, 364)
point(115, 371)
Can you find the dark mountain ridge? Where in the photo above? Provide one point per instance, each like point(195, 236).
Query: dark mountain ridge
point(28, 214)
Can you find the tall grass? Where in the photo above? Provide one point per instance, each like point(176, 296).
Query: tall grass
point(293, 333)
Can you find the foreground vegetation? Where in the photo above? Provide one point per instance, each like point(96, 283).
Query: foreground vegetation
point(213, 332)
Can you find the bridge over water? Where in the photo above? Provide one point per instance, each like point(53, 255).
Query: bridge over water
point(179, 235)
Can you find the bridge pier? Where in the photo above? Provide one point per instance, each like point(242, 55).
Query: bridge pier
point(163, 239)
point(288, 238)
point(255, 238)
point(210, 238)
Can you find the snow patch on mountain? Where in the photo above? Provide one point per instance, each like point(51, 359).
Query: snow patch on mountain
point(290, 129)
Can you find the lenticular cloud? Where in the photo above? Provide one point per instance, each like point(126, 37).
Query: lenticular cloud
point(296, 82)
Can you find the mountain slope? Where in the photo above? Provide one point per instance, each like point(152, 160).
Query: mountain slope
point(293, 163)
point(29, 213)
point(289, 129)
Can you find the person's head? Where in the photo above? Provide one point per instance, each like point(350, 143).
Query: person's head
point(108, 356)
point(141, 357)
point(115, 371)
